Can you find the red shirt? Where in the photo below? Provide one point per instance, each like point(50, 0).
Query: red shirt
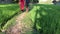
point(21, 2)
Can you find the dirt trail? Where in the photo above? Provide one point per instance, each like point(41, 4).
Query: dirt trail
point(18, 27)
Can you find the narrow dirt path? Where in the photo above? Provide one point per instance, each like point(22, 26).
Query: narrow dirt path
point(18, 27)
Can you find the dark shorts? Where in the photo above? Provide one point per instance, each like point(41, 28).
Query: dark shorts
point(27, 4)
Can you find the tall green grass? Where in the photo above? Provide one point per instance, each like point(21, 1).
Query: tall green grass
point(7, 11)
point(46, 18)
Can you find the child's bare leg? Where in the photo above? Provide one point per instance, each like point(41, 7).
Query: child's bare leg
point(27, 9)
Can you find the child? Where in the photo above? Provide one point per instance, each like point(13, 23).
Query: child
point(21, 3)
point(27, 5)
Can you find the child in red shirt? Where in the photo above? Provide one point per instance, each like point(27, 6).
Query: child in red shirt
point(22, 3)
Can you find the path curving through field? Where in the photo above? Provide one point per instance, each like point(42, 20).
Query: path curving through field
point(18, 27)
